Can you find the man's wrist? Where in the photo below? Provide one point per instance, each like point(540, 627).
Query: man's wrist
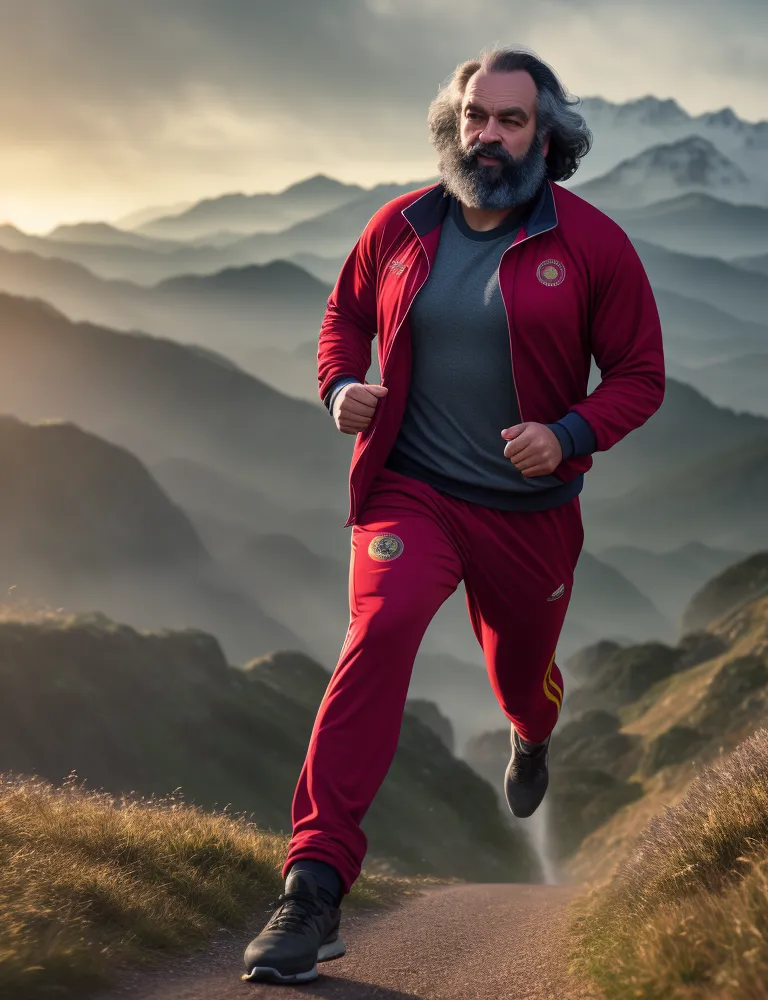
point(575, 435)
point(336, 386)
point(563, 436)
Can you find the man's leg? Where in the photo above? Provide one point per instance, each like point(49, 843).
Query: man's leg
point(518, 587)
point(403, 566)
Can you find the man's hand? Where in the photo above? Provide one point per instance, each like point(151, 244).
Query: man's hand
point(532, 448)
point(355, 405)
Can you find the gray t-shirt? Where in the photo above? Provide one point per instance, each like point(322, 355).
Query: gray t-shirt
point(462, 392)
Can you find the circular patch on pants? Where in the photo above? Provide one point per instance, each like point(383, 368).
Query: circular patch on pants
point(384, 547)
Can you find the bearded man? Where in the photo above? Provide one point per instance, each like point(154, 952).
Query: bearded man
point(490, 293)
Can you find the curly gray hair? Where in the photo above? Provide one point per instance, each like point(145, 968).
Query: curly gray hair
point(570, 138)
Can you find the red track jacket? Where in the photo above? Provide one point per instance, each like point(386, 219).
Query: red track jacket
point(573, 287)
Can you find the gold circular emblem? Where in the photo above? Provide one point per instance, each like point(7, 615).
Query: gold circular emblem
point(384, 547)
point(550, 272)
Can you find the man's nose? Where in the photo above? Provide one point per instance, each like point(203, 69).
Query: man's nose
point(490, 132)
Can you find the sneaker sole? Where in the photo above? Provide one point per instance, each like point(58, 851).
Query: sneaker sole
point(266, 974)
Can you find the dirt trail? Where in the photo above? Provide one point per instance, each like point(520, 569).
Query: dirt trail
point(466, 942)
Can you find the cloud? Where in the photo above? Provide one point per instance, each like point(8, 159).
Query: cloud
point(152, 99)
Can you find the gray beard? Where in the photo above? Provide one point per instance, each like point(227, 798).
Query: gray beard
point(515, 182)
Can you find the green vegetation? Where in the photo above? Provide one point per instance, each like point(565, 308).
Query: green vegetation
point(686, 914)
point(90, 882)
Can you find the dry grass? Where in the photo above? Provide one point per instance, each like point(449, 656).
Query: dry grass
point(686, 915)
point(89, 881)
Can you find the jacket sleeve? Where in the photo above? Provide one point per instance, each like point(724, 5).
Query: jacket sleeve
point(625, 337)
point(349, 324)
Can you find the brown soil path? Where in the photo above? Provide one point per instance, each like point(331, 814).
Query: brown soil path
point(459, 942)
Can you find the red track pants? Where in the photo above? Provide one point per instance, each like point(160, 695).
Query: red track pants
point(410, 548)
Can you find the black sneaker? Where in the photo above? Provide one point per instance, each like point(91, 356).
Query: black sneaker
point(303, 930)
point(526, 777)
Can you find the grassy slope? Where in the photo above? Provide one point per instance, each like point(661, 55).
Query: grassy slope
point(686, 914)
point(718, 702)
point(680, 911)
point(90, 883)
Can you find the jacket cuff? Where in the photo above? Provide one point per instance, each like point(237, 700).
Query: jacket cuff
point(336, 385)
point(563, 436)
point(583, 440)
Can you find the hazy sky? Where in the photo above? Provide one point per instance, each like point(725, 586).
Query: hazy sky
point(110, 105)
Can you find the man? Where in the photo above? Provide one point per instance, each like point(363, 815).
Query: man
point(489, 291)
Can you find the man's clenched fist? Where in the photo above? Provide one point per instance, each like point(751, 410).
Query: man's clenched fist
point(355, 404)
point(532, 448)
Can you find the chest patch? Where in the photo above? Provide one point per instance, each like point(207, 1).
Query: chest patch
point(551, 272)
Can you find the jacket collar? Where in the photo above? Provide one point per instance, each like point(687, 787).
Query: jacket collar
point(429, 210)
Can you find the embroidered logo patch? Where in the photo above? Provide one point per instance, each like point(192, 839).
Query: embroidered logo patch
point(551, 272)
point(397, 266)
point(385, 547)
point(558, 593)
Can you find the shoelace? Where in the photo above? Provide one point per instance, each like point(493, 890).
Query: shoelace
point(532, 761)
point(296, 909)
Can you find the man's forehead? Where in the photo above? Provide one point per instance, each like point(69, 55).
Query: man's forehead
point(501, 90)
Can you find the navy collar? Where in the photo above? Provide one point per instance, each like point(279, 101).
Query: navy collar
point(430, 209)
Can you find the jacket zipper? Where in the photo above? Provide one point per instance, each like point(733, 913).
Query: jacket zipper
point(506, 311)
point(386, 358)
point(397, 330)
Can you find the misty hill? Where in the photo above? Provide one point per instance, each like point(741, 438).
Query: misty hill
point(730, 590)
point(696, 332)
point(137, 258)
point(225, 508)
point(725, 286)
point(331, 234)
point(741, 383)
point(751, 263)
point(686, 429)
point(75, 502)
point(323, 268)
point(236, 312)
point(226, 736)
point(276, 303)
point(698, 224)
point(665, 171)
point(304, 590)
point(102, 232)
point(83, 524)
point(162, 400)
point(133, 220)
point(242, 213)
point(673, 576)
point(607, 604)
point(719, 500)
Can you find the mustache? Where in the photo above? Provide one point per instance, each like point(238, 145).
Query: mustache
point(488, 149)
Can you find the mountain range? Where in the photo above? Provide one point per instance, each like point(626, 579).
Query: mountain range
point(624, 130)
point(84, 525)
point(667, 171)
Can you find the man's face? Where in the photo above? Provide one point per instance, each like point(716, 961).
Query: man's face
point(496, 161)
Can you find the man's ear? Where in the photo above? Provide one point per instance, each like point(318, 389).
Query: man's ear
point(545, 145)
